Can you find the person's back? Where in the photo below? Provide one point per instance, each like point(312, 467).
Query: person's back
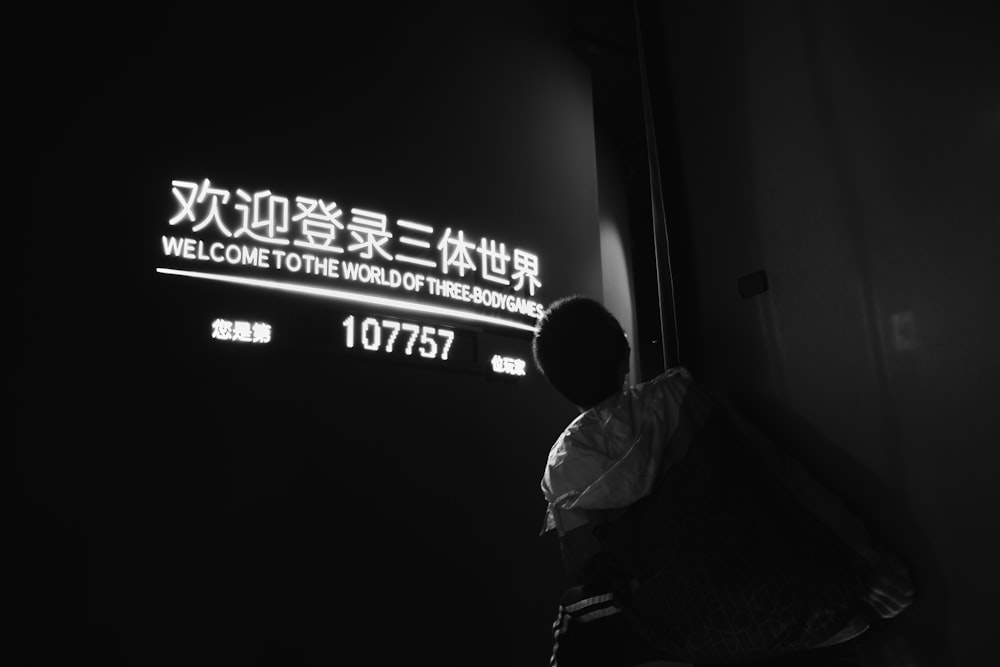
point(663, 498)
point(719, 563)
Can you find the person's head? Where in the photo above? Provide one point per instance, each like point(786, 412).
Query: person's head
point(581, 349)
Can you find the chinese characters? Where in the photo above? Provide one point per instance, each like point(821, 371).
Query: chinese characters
point(241, 331)
point(323, 228)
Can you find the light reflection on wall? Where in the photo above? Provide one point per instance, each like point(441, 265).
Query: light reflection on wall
point(617, 284)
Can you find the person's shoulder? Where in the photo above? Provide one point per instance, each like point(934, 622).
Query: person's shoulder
point(674, 381)
point(675, 374)
point(567, 439)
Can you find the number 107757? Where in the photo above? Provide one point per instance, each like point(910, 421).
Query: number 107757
point(389, 336)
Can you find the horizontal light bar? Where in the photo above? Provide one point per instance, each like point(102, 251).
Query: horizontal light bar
point(415, 260)
point(342, 295)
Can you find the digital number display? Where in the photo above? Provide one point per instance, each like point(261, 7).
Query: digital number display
point(438, 345)
point(388, 336)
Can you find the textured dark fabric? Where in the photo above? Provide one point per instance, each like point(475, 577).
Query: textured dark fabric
point(719, 564)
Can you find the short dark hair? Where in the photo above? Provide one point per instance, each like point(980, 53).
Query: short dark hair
point(578, 346)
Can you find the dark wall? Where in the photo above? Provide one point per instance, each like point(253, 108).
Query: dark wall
point(850, 150)
point(286, 505)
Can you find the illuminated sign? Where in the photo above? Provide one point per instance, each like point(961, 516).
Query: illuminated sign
point(241, 331)
point(508, 365)
point(383, 335)
point(314, 247)
point(383, 338)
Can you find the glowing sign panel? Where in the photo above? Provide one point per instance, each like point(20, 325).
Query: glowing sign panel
point(317, 239)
